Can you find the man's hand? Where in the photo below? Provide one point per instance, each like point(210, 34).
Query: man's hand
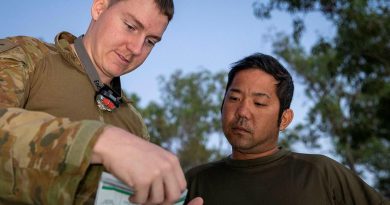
point(153, 173)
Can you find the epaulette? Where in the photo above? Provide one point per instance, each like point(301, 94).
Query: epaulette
point(6, 44)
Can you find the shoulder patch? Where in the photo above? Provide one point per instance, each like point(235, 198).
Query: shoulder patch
point(5, 45)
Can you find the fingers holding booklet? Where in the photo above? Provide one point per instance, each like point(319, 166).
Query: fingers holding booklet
point(113, 191)
point(153, 173)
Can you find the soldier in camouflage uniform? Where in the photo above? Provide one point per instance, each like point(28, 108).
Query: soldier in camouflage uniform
point(54, 141)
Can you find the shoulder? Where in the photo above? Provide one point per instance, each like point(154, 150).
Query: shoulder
point(322, 164)
point(6, 45)
point(24, 48)
point(312, 159)
point(346, 186)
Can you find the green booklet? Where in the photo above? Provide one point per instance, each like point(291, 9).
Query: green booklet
point(112, 191)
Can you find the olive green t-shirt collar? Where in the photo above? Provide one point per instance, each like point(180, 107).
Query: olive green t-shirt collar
point(258, 161)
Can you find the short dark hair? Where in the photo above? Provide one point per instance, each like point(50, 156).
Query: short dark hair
point(268, 64)
point(166, 7)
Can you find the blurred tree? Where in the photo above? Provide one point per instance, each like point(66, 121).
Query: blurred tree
point(347, 79)
point(188, 116)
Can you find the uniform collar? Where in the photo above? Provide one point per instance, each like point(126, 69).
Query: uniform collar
point(62, 42)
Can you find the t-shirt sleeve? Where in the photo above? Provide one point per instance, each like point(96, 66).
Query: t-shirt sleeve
point(349, 188)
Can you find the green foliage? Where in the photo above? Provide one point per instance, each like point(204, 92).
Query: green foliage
point(188, 115)
point(347, 78)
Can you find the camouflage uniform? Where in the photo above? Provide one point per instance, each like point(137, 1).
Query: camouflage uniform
point(49, 123)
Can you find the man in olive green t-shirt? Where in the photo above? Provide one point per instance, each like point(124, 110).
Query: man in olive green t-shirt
point(255, 108)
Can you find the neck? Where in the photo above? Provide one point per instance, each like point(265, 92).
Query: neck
point(103, 78)
point(239, 155)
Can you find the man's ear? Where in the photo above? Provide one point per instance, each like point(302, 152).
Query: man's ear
point(287, 117)
point(98, 7)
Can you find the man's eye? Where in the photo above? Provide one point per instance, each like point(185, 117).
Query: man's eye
point(130, 27)
point(232, 98)
point(150, 42)
point(259, 104)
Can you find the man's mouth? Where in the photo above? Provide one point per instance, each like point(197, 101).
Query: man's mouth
point(241, 129)
point(123, 59)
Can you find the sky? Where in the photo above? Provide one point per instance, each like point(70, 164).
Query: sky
point(209, 34)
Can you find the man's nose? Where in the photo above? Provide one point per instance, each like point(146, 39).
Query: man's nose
point(135, 44)
point(243, 110)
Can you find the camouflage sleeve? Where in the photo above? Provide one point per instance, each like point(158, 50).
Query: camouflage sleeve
point(42, 158)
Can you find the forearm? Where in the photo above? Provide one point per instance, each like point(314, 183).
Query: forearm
point(39, 152)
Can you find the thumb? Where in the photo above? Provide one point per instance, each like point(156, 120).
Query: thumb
point(196, 201)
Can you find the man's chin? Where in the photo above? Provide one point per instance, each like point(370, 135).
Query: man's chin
point(241, 145)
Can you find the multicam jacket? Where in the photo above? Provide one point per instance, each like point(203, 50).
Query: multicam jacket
point(49, 123)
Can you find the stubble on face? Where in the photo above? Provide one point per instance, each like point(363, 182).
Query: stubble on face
point(242, 131)
point(242, 137)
